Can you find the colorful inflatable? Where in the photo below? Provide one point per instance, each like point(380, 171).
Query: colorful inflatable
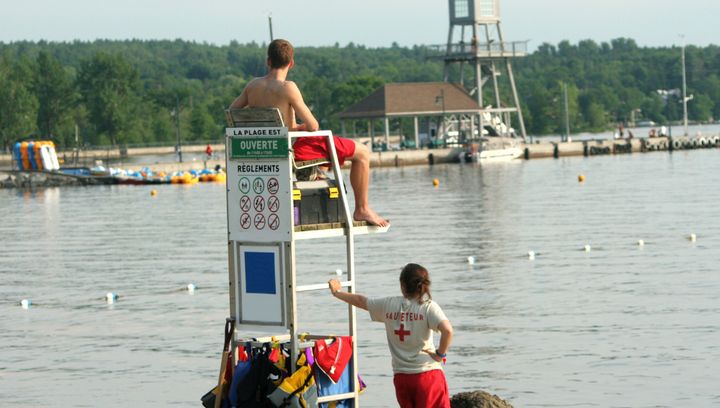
point(31, 156)
point(211, 175)
point(53, 156)
point(184, 178)
point(17, 156)
point(40, 155)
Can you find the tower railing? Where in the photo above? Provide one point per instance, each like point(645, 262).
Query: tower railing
point(464, 51)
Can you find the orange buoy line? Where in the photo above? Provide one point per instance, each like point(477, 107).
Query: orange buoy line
point(147, 176)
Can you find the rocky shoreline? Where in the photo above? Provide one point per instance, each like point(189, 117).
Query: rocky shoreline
point(478, 399)
point(39, 179)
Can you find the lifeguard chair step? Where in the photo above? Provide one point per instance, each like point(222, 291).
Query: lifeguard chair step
point(310, 163)
point(336, 229)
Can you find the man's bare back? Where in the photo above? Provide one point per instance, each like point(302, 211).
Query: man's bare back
point(269, 92)
point(273, 90)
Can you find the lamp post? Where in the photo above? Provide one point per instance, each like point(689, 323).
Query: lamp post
point(176, 113)
point(685, 99)
point(441, 99)
point(632, 116)
point(567, 113)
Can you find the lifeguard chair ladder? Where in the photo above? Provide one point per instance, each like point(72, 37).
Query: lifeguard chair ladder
point(261, 256)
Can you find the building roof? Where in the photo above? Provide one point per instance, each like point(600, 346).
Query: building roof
point(413, 99)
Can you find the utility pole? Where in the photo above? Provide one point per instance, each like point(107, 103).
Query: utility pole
point(632, 116)
point(176, 112)
point(270, 24)
point(684, 89)
point(567, 113)
point(76, 153)
point(441, 99)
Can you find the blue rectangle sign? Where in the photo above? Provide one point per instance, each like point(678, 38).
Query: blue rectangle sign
point(260, 273)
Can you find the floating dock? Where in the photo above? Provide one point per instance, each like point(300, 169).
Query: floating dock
point(587, 148)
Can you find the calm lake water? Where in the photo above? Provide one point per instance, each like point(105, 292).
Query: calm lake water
point(620, 326)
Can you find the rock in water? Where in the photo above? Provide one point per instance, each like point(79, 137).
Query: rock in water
point(477, 399)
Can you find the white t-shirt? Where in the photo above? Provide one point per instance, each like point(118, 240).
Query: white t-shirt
point(408, 326)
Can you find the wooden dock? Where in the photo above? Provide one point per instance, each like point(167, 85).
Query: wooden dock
point(617, 146)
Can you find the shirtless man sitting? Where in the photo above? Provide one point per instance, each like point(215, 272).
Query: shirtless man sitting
point(273, 90)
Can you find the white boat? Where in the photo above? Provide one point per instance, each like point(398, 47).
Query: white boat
point(493, 148)
point(499, 148)
point(498, 142)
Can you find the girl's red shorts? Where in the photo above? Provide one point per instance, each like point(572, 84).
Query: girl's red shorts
point(423, 390)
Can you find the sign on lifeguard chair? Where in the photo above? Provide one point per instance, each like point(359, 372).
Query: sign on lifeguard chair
point(265, 219)
point(260, 220)
point(267, 213)
point(259, 191)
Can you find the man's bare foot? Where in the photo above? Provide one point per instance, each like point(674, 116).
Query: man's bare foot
point(371, 217)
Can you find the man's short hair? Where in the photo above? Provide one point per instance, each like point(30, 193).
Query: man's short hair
point(280, 53)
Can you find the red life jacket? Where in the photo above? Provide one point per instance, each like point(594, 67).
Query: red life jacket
point(332, 359)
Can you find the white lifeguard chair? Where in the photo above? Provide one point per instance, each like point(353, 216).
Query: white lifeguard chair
point(262, 231)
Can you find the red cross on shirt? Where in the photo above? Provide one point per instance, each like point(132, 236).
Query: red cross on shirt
point(402, 332)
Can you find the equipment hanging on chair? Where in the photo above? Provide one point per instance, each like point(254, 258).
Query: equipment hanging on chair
point(215, 397)
point(333, 358)
point(298, 390)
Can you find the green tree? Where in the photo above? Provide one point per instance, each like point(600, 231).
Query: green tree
point(652, 108)
point(595, 116)
point(107, 84)
point(701, 108)
point(55, 93)
point(163, 129)
point(711, 87)
point(202, 126)
point(17, 103)
point(542, 103)
point(172, 102)
point(354, 90)
point(609, 80)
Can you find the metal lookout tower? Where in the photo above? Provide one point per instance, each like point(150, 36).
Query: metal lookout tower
point(481, 45)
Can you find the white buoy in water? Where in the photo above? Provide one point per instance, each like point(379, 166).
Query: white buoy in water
point(531, 255)
point(470, 260)
point(587, 248)
point(641, 242)
point(111, 297)
point(692, 237)
point(191, 288)
point(26, 303)
point(338, 272)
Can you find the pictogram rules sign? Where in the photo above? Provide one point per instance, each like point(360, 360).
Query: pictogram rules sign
point(259, 185)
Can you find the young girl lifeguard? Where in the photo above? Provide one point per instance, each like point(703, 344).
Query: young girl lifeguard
point(409, 321)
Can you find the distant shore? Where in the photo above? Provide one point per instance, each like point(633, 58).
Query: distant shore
point(541, 149)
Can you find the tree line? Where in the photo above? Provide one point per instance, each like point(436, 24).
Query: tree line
point(142, 92)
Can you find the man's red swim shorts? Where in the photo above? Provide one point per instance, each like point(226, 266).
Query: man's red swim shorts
point(315, 147)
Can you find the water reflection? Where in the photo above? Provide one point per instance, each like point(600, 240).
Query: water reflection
point(569, 328)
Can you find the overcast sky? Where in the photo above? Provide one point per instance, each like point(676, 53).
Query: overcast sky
point(373, 23)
